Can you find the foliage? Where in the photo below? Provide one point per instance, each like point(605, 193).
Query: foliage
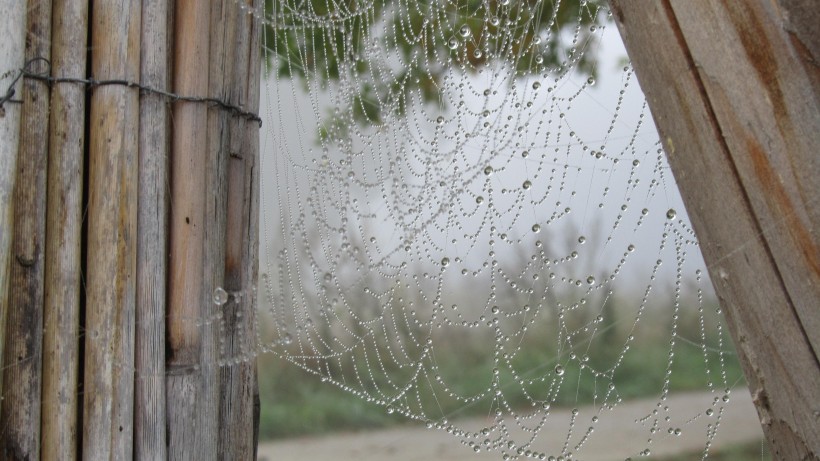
point(388, 51)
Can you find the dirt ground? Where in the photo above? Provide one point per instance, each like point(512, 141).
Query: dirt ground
point(619, 433)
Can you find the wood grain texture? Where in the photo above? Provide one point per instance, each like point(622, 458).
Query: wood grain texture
point(152, 233)
point(239, 392)
point(20, 414)
point(190, 409)
point(64, 233)
point(12, 29)
point(108, 412)
point(738, 116)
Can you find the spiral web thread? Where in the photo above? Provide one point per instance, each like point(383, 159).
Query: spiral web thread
point(451, 188)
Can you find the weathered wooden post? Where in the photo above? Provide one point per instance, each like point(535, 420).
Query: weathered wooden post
point(64, 218)
point(85, 363)
point(12, 29)
point(22, 355)
point(733, 88)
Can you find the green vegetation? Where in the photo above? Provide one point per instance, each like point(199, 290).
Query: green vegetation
point(333, 41)
point(295, 402)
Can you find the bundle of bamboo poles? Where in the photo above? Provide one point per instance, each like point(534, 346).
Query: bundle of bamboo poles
point(123, 210)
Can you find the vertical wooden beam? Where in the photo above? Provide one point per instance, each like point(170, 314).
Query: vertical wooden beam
point(64, 219)
point(191, 418)
point(152, 233)
point(738, 111)
point(20, 415)
point(108, 413)
point(223, 49)
point(241, 394)
point(12, 29)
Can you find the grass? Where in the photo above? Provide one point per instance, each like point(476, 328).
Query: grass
point(295, 402)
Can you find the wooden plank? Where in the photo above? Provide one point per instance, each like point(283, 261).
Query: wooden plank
point(191, 422)
point(12, 29)
point(152, 233)
point(108, 413)
point(239, 426)
point(20, 415)
point(738, 117)
point(64, 219)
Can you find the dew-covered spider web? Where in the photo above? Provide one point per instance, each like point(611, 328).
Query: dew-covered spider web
point(466, 210)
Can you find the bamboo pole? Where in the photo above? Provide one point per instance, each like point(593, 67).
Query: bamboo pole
point(64, 217)
point(733, 90)
point(240, 397)
point(108, 413)
point(223, 46)
point(191, 423)
point(20, 415)
point(12, 29)
point(152, 234)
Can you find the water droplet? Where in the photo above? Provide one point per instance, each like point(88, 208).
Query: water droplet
point(636, 162)
point(527, 184)
point(536, 228)
point(220, 296)
point(671, 213)
point(525, 154)
point(452, 43)
point(477, 53)
point(390, 409)
point(559, 370)
point(488, 170)
point(287, 339)
point(440, 120)
point(479, 200)
point(591, 81)
point(465, 31)
point(590, 280)
point(582, 239)
point(536, 85)
point(445, 261)
point(631, 247)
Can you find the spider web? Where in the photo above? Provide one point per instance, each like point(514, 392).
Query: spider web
point(453, 191)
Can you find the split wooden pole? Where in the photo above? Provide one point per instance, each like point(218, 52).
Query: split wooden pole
point(239, 423)
point(190, 390)
point(115, 230)
point(22, 377)
point(108, 391)
point(733, 88)
point(152, 232)
point(64, 217)
point(12, 29)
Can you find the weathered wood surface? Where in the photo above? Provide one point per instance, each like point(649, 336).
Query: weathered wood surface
point(732, 89)
point(223, 49)
point(22, 378)
point(239, 398)
point(191, 412)
point(108, 412)
point(152, 233)
point(64, 219)
point(12, 29)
